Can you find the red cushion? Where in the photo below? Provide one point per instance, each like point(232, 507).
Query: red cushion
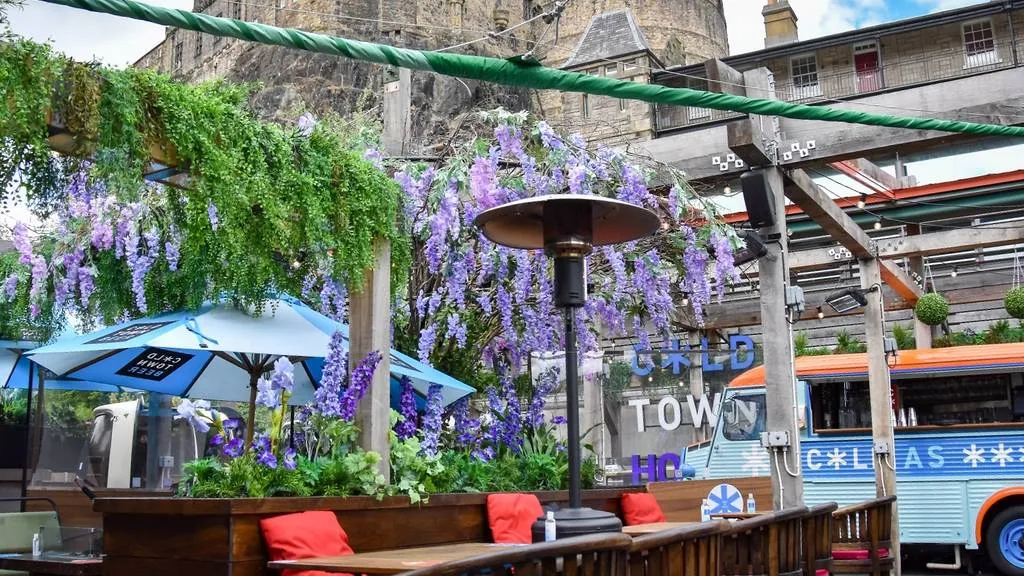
point(304, 535)
point(511, 517)
point(858, 554)
point(641, 508)
point(821, 572)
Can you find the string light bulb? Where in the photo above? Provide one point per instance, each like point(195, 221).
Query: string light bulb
point(296, 265)
point(789, 232)
point(863, 201)
point(727, 190)
point(878, 224)
point(821, 313)
point(954, 273)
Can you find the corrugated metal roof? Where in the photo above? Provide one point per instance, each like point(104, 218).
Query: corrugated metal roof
point(607, 36)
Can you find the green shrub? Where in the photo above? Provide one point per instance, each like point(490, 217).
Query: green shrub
point(1014, 302)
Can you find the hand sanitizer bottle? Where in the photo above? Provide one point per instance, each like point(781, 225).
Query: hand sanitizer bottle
point(705, 511)
point(751, 505)
point(549, 527)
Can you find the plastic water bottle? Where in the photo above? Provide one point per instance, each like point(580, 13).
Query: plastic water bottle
point(37, 544)
point(549, 527)
point(751, 505)
point(705, 511)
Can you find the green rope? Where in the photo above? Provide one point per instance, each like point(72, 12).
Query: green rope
point(515, 72)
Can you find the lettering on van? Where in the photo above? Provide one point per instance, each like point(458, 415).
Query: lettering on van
point(155, 364)
point(965, 455)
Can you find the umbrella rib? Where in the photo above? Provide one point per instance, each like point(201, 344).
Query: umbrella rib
point(89, 363)
point(231, 360)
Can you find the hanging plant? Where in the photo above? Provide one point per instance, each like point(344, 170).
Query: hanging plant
point(1014, 302)
point(932, 309)
point(266, 208)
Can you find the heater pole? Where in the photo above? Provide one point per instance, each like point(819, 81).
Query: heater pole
point(572, 414)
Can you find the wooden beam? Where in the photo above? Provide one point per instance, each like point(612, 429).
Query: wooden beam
point(816, 204)
point(749, 137)
point(873, 171)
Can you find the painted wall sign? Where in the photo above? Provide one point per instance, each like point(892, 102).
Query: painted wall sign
point(656, 467)
point(154, 364)
point(670, 411)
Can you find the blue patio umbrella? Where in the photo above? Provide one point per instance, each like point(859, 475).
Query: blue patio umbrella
point(218, 352)
point(18, 373)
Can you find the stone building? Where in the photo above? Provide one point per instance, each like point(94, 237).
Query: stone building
point(591, 35)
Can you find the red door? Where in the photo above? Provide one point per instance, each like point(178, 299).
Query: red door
point(868, 76)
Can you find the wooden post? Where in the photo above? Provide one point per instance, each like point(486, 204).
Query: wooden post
point(881, 395)
point(370, 307)
point(922, 331)
point(780, 377)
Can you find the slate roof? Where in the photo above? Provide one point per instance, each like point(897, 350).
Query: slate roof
point(608, 35)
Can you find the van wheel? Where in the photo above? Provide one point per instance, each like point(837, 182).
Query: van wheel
point(1004, 541)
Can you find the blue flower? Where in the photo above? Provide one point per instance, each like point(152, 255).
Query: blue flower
point(231, 423)
point(432, 421)
point(233, 449)
point(189, 411)
point(266, 395)
point(558, 420)
point(283, 377)
point(216, 440)
point(289, 459)
point(406, 427)
point(264, 453)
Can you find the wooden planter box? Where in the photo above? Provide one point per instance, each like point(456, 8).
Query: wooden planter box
point(207, 537)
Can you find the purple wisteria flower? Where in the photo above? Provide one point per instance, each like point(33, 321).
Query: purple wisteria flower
point(306, 125)
point(375, 157)
point(695, 283)
point(428, 337)
point(725, 267)
point(359, 383)
point(39, 275)
point(189, 411)
point(22, 243)
point(86, 284)
point(406, 427)
point(328, 396)
point(11, 286)
point(558, 420)
point(545, 386)
point(172, 251)
point(211, 213)
point(432, 421)
point(510, 139)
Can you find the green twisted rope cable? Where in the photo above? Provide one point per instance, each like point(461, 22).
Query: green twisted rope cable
point(515, 72)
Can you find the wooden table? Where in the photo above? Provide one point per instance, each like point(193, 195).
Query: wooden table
point(638, 529)
point(737, 516)
point(52, 564)
point(390, 561)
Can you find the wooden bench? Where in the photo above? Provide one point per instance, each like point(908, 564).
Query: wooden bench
point(690, 551)
point(817, 539)
point(769, 545)
point(680, 501)
point(592, 555)
point(862, 537)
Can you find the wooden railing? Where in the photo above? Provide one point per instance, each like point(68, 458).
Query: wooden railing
point(768, 545)
point(690, 551)
point(862, 537)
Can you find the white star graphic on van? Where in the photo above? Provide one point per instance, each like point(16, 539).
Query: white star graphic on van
point(755, 459)
point(836, 458)
point(974, 456)
point(1021, 459)
point(1002, 455)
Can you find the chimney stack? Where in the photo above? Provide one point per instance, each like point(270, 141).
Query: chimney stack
point(779, 23)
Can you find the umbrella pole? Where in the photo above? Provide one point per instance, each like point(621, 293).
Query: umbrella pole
point(250, 430)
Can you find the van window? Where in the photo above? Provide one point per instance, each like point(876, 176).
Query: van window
point(743, 417)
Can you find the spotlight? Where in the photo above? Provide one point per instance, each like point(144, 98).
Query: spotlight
point(954, 273)
point(848, 300)
point(754, 248)
point(821, 313)
point(862, 202)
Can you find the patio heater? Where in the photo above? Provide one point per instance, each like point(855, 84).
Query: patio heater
point(567, 227)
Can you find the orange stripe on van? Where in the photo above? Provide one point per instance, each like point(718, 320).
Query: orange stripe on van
point(992, 501)
point(935, 359)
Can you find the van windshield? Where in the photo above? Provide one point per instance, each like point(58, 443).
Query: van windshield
point(743, 417)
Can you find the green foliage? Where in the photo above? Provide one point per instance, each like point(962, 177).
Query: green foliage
point(932, 309)
point(847, 344)
point(999, 332)
point(1014, 302)
point(413, 474)
point(904, 336)
point(619, 378)
point(13, 406)
point(291, 205)
point(242, 477)
point(801, 347)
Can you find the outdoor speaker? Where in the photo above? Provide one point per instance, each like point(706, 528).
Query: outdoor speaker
point(757, 195)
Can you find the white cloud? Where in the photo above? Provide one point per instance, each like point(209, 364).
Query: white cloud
point(88, 35)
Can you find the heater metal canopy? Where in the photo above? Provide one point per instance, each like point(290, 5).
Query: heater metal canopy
point(594, 220)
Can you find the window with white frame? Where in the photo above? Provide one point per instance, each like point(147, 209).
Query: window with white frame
point(611, 69)
point(804, 72)
point(979, 44)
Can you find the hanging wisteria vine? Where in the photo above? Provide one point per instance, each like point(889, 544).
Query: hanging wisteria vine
point(468, 293)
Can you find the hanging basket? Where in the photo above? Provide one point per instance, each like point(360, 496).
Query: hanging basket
point(1014, 302)
point(932, 309)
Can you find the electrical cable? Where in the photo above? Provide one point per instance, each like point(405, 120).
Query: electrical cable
point(516, 72)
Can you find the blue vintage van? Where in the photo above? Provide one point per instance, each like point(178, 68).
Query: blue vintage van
point(959, 449)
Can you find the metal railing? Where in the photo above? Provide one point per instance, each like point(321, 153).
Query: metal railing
point(895, 72)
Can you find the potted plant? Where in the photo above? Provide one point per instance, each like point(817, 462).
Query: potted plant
point(1014, 302)
point(932, 309)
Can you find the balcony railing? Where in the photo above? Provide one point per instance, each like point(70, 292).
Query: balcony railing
point(896, 73)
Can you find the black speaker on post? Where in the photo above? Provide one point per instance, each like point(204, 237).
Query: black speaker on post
point(757, 195)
